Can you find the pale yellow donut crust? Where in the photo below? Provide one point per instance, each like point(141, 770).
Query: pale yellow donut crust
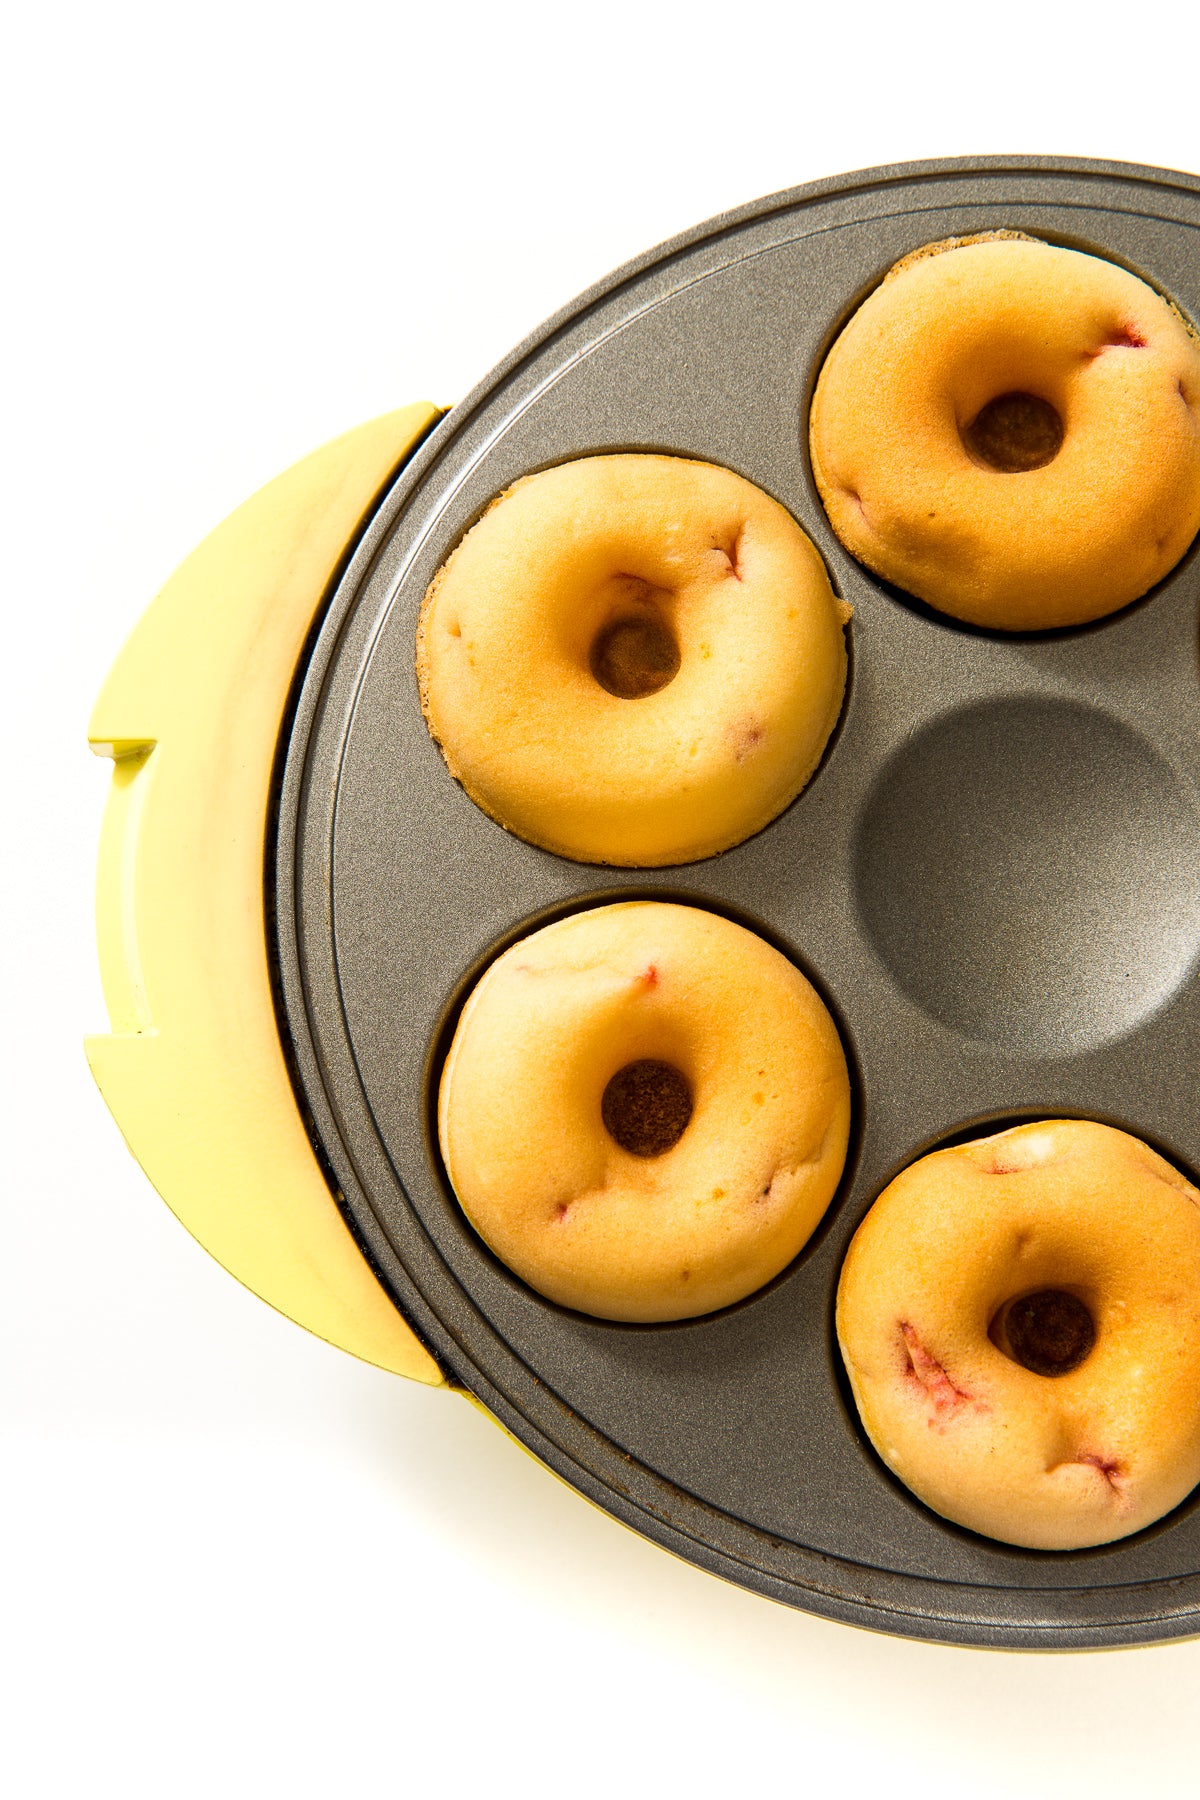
point(505, 636)
point(580, 1219)
point(1087, 533)
point(1051, 1463)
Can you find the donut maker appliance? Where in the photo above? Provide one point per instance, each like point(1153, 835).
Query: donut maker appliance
point(994, 880)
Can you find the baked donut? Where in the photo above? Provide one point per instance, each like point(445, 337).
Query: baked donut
point(1009, 431)
point(644, 1111)
point(632, 659)
point(1020, 1321)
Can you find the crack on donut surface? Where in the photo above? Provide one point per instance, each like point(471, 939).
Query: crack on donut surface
point(1012, 1153)
point(635, 655)
point(1014, 434)
point(1111, 1470)
point(1049, 1332)
point(1126, 337)
point(647, 1107)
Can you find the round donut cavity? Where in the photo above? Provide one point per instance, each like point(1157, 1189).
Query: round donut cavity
point(1007, 429)
point(1019, 1318)
point(633, 659)
point(644, 1111)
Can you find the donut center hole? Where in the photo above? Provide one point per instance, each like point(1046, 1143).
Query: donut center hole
point(1015, 433)
point(1049, 1332)
point(635, 655)
point(646, 1107)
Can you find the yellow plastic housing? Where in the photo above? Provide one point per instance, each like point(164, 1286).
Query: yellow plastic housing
point(193, 1069)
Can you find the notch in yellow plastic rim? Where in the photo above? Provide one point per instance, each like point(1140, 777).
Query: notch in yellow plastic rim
point(193, 1069)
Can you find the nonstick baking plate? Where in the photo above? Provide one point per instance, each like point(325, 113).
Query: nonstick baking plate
point(994, 880)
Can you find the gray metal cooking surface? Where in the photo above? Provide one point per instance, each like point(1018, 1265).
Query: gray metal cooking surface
point(994, 879)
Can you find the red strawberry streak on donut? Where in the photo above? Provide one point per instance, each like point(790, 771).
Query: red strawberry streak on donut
point(928, 1371)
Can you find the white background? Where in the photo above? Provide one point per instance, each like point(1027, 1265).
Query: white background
point(239, 1563)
